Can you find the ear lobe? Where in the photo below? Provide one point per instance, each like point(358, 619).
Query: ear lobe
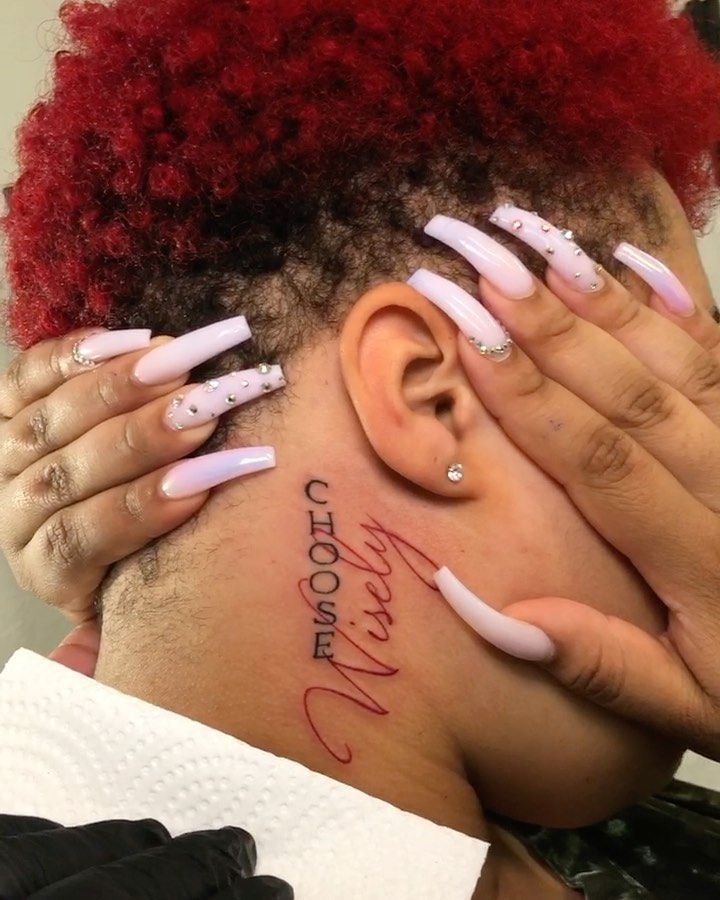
point(405, 380)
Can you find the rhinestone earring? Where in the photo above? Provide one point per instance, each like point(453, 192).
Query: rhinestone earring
point(456, 472)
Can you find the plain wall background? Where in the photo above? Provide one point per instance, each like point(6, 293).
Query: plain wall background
point(28, 31)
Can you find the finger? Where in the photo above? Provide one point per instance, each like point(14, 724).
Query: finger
point(37, 372)
point(620, 667)
point(601, 658)
point(260, 887)
point(671, 299)
point(618, 486)
point(79, 651)
point(75, 408)
point(663, 342)
point(137, 443)
point(598, 369)
point(29, 862)
point(191, 866)
point(67, 558)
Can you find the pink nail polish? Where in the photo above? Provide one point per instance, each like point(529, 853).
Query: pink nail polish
point(558, 247)
point(655, 273)
point(104, 345)
point(204, 472)
point(171, 360)
point(518, 639)
point(490, 258)
point(220, 395)
point(471, 317)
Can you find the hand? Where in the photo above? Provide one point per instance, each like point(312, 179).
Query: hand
point(620, 403)
point(84, 452)
point(122, 860)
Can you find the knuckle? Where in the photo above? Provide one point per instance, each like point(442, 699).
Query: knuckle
point(16, 375)
point(107, 389)
point(38, 426)
point(599, 682)
point(556, 326)
point(64, 542)
point(532, 382)
point(133, 438)
point(644, 404)
point(132, 504)
point(608, 455)
point(54, 484)
point(704, 378)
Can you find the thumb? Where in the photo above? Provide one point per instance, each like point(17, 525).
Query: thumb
point(615, 664)
point(79, 650)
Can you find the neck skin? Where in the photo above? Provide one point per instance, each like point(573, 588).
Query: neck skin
point(357, 688)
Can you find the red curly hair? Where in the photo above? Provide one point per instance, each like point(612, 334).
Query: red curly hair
point(174, 125)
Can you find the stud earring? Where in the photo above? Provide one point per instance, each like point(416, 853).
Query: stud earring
point(456, 472)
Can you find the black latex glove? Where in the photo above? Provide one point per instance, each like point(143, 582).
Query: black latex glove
point(121, 860)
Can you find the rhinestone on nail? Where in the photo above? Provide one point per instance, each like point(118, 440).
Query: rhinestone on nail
point(578, 275)
point(494, 220)
point(230, 399)
point(176, 401)
point(264, 369)
point(245, 384)
point(179, 426)
point(550, 250)
point(192, 410)
point(266, 386)
point(212, 385)
point(545, 228)
point(517, 224)
point(567, 234)
point(497, 350)
point(598, 267)
point(594, 286)
point(578, 252)
point(78, 357)
point(456, 472)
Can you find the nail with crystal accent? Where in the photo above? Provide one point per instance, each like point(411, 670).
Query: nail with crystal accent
point(655, 273)
point(490, 258)
point(518, 639)
point(104, 345)
point(557, 246)
point(193, 476)
point(215, 397)
point(171, 360)
point(471, 317)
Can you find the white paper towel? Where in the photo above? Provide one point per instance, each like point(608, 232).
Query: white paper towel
point(76, 751)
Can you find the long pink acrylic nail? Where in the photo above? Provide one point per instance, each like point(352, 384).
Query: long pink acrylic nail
point(471, 317)
point(204, 472)
point(490, 258)
point(518, 639)
point(558, 247)
point(655, 273)
point(104, 345)
point(219, 395)
point(171, 360)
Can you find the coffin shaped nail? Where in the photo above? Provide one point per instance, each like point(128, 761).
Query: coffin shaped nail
point(471, 317)
point(193, 476)
point(518, 639)
point(104, 345)
point(493, 261)
point(557, 246)
point(171, 360)
point(655, 273)
point(219, 395)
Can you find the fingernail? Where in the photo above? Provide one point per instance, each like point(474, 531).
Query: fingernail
point(518, 639)
point(655, 273)
point(490, 258)
point(219, 395)
point(104, 345)
point(471, 317)
point(558, 247)
point(171, 360)
point(204, 472)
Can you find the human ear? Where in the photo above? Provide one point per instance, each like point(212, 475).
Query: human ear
point(403, 374)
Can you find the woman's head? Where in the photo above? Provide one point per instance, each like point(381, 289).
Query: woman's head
point(280, 160)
